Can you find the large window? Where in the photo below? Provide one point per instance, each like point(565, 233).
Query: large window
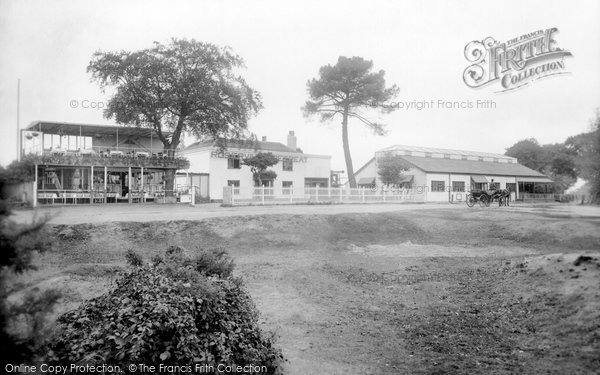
point(458, 186)
point(511, 187)
point(438, 186)
point(287, 164)
point(233, 162)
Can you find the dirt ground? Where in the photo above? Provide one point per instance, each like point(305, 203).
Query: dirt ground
point(445, 290)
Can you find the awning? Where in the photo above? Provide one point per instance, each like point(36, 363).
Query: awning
point(479, 179)
point(366, 181)
point(534, 179)
point(405, 179)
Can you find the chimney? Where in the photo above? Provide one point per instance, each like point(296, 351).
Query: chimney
point(264, 138)
point(292, 140)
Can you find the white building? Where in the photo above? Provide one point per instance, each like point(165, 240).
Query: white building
point(216, 164)
point(447, 175)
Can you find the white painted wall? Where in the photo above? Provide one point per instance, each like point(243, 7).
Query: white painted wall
point(316, 166)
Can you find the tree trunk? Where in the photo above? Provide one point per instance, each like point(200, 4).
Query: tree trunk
point(170, 173)
point(169, 182)
point(347, 156)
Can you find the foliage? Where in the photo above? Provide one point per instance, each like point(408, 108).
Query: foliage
point(390, 168)
point(133, 258)
point(167, 313)
point(18, 243)
point(348, 88)
point(557, 161)
point(16, 172)
point(586, 148)
point(214, 262)
point(184, 86)
point(258, 166)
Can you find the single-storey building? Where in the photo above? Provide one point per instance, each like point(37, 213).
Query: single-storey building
point(221, 162)
point(448, 175)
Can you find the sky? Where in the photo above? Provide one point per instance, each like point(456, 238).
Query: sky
point(419, 44)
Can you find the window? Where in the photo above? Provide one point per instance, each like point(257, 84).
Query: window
point(458, 186)
point(287, 164)
point(287, 187)
point(494, 185)
point(511, 187)
point(233, 162)
point(438, 185)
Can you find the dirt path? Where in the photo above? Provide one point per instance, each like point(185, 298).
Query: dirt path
point(150, 212)
point(445, 290)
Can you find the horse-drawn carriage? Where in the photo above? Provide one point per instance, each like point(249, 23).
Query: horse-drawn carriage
point(486, 197)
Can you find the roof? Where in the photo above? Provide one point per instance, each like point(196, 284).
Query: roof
point(422, 151)
point(364, 166)
point(243, 144)
point(366, 181)
point(479, 179)
point(91, 130)
point(439, 165)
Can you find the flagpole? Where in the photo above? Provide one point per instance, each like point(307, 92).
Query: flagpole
point(19, 140)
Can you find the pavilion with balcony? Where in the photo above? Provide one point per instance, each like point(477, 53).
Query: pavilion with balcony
point(83, 163)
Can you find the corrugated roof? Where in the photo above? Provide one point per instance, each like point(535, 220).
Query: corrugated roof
point(438, 165)
point(92, 130)
point(244, 144)
point(433, 150)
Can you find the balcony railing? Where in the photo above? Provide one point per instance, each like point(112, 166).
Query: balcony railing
point(122, 157)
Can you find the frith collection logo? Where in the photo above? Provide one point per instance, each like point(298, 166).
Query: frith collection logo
point(515, 63)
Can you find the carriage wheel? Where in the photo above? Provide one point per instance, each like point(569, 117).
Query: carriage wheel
point(470, 200)
point(484, 201)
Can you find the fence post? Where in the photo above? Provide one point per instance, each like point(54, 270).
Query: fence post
point(383, 191)
point(362, 192)
point(341, 194)
point(329, 191)
point(193, 191)
point(317, 193)
point(291, 194)
point(263, 196)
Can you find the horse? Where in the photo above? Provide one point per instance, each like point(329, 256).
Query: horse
point(502, 195)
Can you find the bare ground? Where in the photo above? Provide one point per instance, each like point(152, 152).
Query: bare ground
point(427, 291)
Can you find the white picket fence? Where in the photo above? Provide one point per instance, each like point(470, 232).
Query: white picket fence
point(269, 195)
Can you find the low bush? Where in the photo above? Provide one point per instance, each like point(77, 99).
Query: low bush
point(168, 312)
point(134, 259)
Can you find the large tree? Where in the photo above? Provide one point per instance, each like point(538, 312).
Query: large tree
point(586, 148)
point(557, 161)
point(185, 86)
point(349, 88)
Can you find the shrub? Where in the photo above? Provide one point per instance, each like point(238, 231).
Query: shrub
point(214, 262)
point(167, 313)
point(19, 243)
point(134, 259)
